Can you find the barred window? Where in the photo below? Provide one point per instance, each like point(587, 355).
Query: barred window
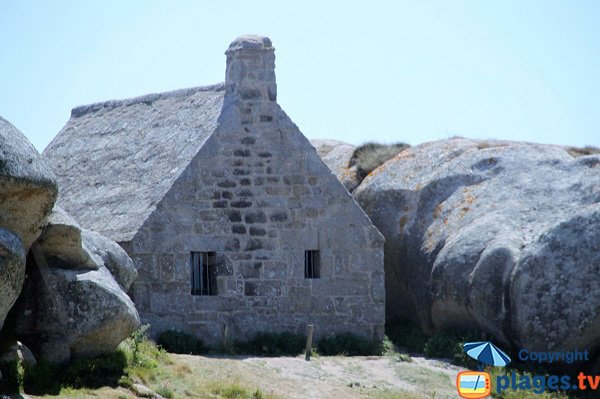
point(204, 276)
point(312, 267)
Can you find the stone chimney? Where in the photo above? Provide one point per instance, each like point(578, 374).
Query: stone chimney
point(250, 71)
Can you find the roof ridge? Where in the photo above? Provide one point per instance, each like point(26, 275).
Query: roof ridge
point(147, 99)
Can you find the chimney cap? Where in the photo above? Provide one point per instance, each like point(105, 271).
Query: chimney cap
point(250, 42)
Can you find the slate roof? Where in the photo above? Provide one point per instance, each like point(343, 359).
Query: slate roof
point(146, 142)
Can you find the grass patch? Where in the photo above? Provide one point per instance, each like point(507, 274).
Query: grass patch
point(390, 350)
point(406, 334)
point(95, 373)
point(182, 376)
point(445, 344)
point(179, 342)
point(13, 374)
point(583, 151)
point(237, 390)
point(165, 391)
point(133, 355)
point(449, 345)
point(369, 156)
point(348, 344)
point(272, 344)
point(46, 378)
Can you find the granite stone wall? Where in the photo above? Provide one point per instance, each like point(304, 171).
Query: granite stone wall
point(258, 195)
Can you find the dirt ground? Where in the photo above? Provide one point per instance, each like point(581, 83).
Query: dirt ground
point(379, 377)
point(337, 377)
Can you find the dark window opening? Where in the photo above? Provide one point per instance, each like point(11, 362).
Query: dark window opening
point(312, 268)
point(204, 276)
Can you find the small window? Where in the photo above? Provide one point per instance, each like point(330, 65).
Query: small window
point(204, 276)
point(312, 268)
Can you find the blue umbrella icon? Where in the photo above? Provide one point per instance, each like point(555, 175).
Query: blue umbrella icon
point(487, 353)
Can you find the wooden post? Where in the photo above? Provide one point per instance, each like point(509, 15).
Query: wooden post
point(225, 337)
point(309, 337)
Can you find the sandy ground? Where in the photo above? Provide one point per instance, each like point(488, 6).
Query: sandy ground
point(337, 377)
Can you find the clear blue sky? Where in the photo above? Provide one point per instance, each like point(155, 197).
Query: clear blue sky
point(409, 71)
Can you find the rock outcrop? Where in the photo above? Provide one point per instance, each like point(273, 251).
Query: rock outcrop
point(492, 235)
point(27, 192)
point(12, 271)
point(74, 300)
point(337, 155)
point(108, 253)
point(27, 185)
point(71, 303)
point(62, 245)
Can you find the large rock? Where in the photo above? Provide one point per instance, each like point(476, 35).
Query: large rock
point(337, 155)
point(27, 193)
point(72, 304)
point(27, 185)
point(62, 245)
point(66, 245)
point(12, 271)
point(498, 236)
point(108, 253)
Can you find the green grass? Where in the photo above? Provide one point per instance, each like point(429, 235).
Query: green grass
point(406, 334)
point(290, 344)
point(237, 390)
point(179, 342)
point(347, 344)
point(272, 344)
point(165, 391)
point(135, 353)
point(443, 345)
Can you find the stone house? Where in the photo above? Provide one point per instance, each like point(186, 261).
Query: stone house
point(233, 221)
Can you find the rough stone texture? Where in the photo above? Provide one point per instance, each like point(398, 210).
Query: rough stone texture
point(12, 271)
point(257, 194)
point(62, 245)
point(250, 72)
point(71, 304)
point(558, 277)
point(27, 193)
point(500, 236)
point(75, 313)
point(336, 155)
point(143, 391)
point(27, 185)
point(108, 253)
point(325, 146)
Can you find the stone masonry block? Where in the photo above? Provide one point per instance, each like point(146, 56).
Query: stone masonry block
point(250, 269)
point(262, 288)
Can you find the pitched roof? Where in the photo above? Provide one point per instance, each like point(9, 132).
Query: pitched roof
point(146, 141)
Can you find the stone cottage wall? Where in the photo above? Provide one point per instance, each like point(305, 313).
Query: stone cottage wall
point(258, 195)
